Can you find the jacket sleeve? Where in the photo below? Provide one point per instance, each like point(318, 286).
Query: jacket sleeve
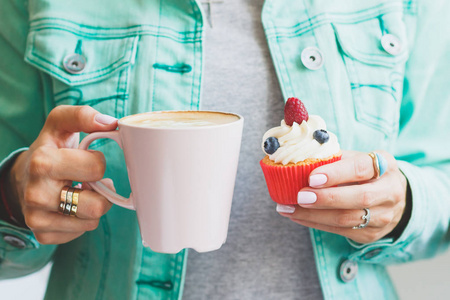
point(20, 253)
point(22, 115)
point(423, 146)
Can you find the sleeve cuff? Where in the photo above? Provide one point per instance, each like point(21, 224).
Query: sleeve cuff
point(6, 162)
point(5, 212)
point(14, 237)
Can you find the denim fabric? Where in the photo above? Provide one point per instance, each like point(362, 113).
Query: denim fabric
point(147, 55)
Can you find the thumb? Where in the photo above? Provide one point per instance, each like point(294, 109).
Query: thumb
point(69, 119)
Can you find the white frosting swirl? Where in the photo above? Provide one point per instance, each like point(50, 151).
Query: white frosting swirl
point(297, 142)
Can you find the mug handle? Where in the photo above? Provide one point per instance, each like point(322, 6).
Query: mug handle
point(99, 187)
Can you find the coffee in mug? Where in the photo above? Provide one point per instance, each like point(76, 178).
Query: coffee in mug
point(180, 119)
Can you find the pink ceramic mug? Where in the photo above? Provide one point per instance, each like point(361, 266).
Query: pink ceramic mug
point(182, 177)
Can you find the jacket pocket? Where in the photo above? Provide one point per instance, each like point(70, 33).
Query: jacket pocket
point(86, 68)
point(374, 53)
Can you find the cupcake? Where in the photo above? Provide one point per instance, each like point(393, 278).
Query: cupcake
point(301, 144)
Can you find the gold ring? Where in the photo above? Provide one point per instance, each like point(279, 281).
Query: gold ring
point(376, 165)
point(63, 196)
point(75, 197)
point(69, 198)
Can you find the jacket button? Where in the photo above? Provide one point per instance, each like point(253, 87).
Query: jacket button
point(391, 44)
point(348, 270)
point(14, 241)
point(312, 58)
point(74, 63)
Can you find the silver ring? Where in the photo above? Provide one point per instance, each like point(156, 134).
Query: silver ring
point(69, 196)
point(63, 197)
point(366, 219)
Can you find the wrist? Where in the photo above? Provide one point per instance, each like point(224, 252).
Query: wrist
point(9, 199)
point(406, 216)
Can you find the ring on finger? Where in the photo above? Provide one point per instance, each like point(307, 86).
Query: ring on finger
point(69, 201)
point(379, 164)
point(62, 203)
point(366, 219)
point(75, 197)
point(69, 198)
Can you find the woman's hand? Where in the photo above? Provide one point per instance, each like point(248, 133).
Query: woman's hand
point(52, 162)
point(340, 191)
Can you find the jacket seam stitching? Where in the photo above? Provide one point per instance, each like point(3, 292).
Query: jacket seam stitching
point(194, 75)
point(312, 23)
point(96, 28)
point(326, 75)
point(155, 72)
point(105, 267)
point(102, 71)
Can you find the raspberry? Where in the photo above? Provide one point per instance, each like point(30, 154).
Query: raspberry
point(295, 111)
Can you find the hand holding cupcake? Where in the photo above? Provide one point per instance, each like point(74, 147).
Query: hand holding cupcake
point(343, 194)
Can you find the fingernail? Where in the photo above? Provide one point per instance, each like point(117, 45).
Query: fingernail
point(316, 180)
point(306, 197)
point(104, 119)
point(289, 209)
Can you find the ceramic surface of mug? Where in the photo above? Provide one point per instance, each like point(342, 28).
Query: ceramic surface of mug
point(182, 168)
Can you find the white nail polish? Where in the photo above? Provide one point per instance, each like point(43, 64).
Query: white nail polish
point(105, 119)
point(288, 209)
point(318, 179)
point(306, 197)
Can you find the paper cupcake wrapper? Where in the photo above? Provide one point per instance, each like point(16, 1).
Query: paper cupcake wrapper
point(284, 182)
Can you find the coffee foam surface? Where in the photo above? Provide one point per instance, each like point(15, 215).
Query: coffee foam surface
point(179, 119)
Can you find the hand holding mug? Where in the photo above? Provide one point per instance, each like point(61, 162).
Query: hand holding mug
point(182, 177)
point(53, 161)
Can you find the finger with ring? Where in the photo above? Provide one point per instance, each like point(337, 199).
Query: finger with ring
point(379, 164)
point(69, 200)
point(69, 197)
point(62, 203)
point(366, 219)
point(94, 205)
point(74, 208)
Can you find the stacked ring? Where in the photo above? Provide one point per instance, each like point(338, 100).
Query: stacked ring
point(73, 209)
point(68, 204)
point(62, 203)
point(69, 201)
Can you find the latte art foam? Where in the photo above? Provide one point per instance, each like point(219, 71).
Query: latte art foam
point(179, 119)
point(174, 123)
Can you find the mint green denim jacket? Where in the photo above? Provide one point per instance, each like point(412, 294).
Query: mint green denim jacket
point(381, 82)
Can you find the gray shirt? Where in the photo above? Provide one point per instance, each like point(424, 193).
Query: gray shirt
point(266, 256)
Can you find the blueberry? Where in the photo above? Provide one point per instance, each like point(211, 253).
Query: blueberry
point(271, 145)
point(321, 136)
